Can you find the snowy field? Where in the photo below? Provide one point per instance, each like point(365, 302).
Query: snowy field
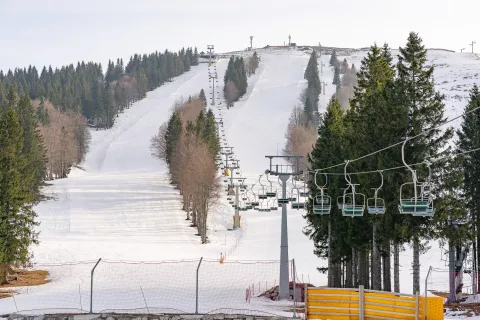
point(122, 208)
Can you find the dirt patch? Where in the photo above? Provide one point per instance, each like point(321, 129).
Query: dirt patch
point(23, 278)
point(467, 309)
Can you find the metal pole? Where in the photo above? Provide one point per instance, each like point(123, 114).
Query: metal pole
point(294, 289)
point(425, 302)
point(361, 303)
point(91, 285)
point(416, 306)
point(284, 285)
point(196, 294)
point(236, 223)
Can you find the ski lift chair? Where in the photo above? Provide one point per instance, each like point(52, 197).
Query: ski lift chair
point(353, 202)
point(376, 205)
point(271, 191)
point(416, 197)
point(262, 194)
point(322, 202)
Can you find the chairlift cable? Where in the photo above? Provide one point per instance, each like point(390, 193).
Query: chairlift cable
point(403, 141)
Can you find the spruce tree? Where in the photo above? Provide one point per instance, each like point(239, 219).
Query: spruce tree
point(333, 58)
point(425, 107)
point(344, 68)
point(174, 131)
point(33, 150)
point(17, 219)
point(202, 97)
point(336, 78)
point(469, 139)
point(329, 150)
point(373, 100)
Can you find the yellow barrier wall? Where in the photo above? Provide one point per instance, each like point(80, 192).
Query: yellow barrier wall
point(343, 304)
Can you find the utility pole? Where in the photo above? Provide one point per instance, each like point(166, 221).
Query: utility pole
point(284, 171)
point(473, 42)
point(251, 42)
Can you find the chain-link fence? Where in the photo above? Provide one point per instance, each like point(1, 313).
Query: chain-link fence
point(187, 286)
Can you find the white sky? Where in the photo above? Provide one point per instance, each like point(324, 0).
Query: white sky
point(57, 32)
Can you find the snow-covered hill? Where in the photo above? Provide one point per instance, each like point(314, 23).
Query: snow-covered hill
point(122, 206)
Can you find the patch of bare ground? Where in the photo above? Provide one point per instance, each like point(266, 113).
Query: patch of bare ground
point(23, 278)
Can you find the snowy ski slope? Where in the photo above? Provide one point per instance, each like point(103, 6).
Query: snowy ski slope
point(123, 208)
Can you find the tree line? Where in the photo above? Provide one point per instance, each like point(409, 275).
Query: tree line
point(189, 144)
point(99, 97)
point(390, 103)
point(235, 80)
point(344, 79)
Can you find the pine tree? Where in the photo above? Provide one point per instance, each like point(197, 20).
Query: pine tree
point(17, 219)
point(425, 111)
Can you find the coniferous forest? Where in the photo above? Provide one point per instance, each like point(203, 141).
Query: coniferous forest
point(85, 88)
point(44, 119)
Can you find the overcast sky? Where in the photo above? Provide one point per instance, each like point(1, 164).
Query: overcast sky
point(58, 32)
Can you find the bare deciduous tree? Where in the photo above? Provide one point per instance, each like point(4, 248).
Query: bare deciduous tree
point(158, 144)
point(300, 141)
point(194, 171)
point(66, 139)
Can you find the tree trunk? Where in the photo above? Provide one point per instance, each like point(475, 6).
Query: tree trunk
point(452, 296)
point(349, 273)
point(416, 264)
point(354, 268)
point(376, 267)
point(387, 276)
point(186, 205)
point(194, 215)
point(337, 274)
point(367, 269)
point(362, 267)
point(396, 268)
point(478, 243)
point(330, 262)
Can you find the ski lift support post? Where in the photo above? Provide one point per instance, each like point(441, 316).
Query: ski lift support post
point(239, 184)
point(284, 171)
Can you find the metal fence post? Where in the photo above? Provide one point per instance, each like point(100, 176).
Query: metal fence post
point(294, 289)
point(196, 295)
point(361, 303)
point(91, 285)
point(425, 302)
point(417, 305)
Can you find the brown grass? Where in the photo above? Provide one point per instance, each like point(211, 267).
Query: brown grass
point(24, 279)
